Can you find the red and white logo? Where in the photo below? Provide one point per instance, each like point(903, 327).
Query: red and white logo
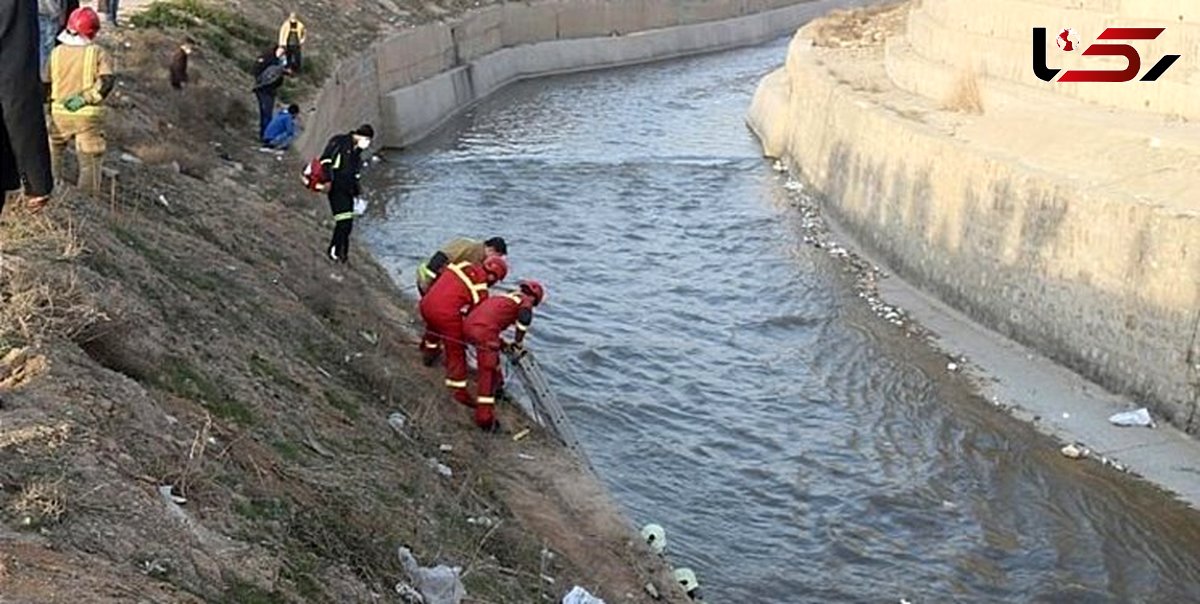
point(1067, 40)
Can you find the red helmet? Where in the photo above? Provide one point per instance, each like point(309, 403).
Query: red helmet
point(496, 268)
point(534, 289)
point(85, 22)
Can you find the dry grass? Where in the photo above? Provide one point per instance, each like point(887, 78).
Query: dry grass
point(40, 502)
point(53, 437)
point(37, 305)
point(966, 96)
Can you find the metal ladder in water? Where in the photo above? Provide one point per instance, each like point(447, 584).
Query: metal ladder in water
point(541, 405)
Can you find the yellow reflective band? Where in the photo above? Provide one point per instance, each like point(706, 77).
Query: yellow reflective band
point(514, 296)
point(486, 400)
point(457, 269)
point(343, 216)
point(89, 67)
point(431, 344)
point(456, 383)
point(522, 327)
point(425, 270)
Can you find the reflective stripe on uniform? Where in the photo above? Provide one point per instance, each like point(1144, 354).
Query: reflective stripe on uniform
point(473, 287)
point(91, 62)
point(430, 344)
point(523, 327)
point(486, 400)
point(426, 271)
point(343, 216)
point(514, 296)
point(456, 383)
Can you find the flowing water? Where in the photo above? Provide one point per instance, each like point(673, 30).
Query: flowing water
point(727, 381)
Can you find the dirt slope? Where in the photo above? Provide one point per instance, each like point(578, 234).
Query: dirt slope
point(189, 333)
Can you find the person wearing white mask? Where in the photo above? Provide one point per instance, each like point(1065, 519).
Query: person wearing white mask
point(342, 160)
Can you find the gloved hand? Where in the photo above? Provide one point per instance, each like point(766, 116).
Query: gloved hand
point(485, 418)
point(74, 103)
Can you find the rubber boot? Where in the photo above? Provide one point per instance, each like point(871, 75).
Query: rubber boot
point(89, 172)
point(57, 153)
point(485, 418)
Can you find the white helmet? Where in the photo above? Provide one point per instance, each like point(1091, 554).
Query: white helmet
point(656, 537)
point(687, 578)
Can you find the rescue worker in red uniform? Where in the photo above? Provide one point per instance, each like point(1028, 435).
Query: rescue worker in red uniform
point(454, 293)
point(483, 327)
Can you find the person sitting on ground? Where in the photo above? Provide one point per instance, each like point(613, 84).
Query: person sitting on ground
point(458, 250)
point(282, 129)
point(179, 64)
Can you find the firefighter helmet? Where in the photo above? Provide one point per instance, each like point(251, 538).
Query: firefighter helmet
point(496, 268)
point(85, 22)
point(534, 289)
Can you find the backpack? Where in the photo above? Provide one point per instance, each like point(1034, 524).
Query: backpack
point(314, 175)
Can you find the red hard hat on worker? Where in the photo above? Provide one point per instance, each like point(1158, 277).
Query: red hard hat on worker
point(85, 22)
point(534, 289)
point(496, 268)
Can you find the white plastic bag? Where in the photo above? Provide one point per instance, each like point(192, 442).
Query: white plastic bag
point(360, 206)
point(1141, 417)
point(579, 595)
point(438, 585)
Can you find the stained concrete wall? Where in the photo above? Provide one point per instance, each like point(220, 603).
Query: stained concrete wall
point(411, 82)
point(1103, 283)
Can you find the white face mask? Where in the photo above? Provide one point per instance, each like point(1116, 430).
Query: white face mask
point(363, 143)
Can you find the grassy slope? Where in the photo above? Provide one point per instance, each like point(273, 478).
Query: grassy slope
point(191, 333)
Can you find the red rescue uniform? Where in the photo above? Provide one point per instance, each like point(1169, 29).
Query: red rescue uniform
point(455, 292)
point(483, 327)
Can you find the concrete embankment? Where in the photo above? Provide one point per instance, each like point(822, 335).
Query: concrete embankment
point(1055, 222)
point(412, 82)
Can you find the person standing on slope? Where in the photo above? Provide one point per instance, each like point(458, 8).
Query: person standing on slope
point(483, 328)
point(342, 161)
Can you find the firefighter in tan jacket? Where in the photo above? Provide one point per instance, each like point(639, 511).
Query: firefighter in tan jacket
point(81, 76)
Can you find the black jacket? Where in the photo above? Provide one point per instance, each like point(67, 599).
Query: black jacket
point(24, 148)
point(342, 160)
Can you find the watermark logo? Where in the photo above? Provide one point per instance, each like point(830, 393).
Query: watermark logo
point(1068, 41)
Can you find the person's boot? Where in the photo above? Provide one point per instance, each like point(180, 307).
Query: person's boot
point(56, 162)
point(89, 173)
point(462, 397)
point(485, 418)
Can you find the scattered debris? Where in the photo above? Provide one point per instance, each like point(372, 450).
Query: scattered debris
point(952, 367)
point(652, 591)
point(525, 457)
point(519, 435)
point(409, 594)
point(1075, 451)
point(481, 521)
point(445, 448)
point(397, 421)
point(1066, 415)
point(438, 584)
point(441, 468)
point(1138, 418)
point(579, 595)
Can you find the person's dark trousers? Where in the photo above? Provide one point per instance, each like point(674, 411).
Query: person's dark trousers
point(293, 58)
point(341, 203)
point(112, 11)
point(266, 105)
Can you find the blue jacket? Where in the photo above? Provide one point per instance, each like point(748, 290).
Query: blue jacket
point(281, 130)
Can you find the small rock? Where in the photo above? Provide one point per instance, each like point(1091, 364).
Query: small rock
point(951, 367)
point(445, 448)
point(130, 158)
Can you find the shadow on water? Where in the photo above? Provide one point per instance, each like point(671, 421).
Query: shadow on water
point(729, 384)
